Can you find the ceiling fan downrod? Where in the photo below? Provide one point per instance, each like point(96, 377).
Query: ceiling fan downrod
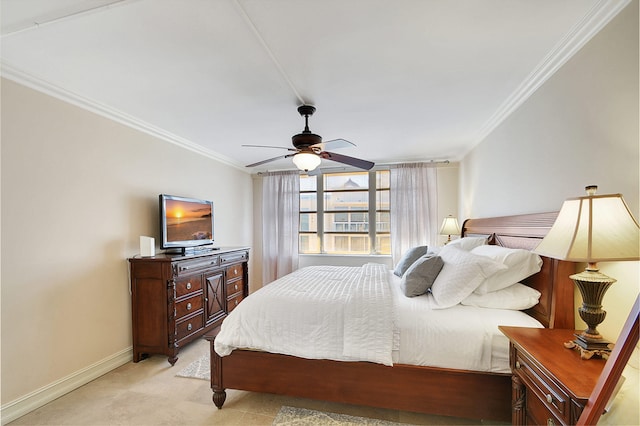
point(306, 138)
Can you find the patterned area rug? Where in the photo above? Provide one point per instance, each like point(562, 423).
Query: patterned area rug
point(292, 416)
point(198, 369)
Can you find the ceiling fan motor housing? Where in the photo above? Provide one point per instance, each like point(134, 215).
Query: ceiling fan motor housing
point(305, 139)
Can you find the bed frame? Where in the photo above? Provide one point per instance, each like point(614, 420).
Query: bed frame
point(431, 390)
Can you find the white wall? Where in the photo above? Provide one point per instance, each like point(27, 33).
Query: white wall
point(77, 192)
point(579, 128)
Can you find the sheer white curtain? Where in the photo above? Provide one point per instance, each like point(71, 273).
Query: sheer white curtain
point(280, 218)
point(414, 207)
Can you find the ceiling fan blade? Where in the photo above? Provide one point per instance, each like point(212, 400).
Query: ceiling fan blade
point(334, 144)
point(269, 160)
point(355, 162)
point(270, 146)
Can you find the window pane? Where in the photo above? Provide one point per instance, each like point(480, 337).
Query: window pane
point(346, 222)
point(308, 202)
point(383, 179)
point(356, 200)
point(308, 222)
point(309, 243)
point(383, 243)
point(346, 244)
point(346, 181)
point(382, 200)
point(307, 183)
point(383, 222)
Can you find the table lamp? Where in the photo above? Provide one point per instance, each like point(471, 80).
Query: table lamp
point(592, 229)
point(449, 227)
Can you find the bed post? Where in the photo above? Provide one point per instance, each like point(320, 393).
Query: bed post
point(219, 392)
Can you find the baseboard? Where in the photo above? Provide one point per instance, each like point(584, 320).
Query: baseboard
point(36, 399)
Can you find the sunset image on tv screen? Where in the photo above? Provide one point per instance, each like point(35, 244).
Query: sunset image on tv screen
point(188, 221)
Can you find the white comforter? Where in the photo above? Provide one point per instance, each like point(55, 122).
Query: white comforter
point(360, 314)
point(320, 312)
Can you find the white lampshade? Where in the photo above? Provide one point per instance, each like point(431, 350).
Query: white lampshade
point(592, 229)
point(450, 226)
point(306, 161)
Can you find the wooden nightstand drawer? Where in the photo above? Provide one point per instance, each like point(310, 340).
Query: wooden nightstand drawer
point(538, 413)
point(551, 395)
point(188, 285)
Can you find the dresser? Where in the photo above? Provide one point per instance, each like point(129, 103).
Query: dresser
point(551, 384)
point(177, 298)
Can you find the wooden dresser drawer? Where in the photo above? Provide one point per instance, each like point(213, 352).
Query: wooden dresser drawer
point(189, 326)
point(234, 271)
point(188, 285)
point(234, 287)
point(188, 306)
point(553, 398)
point(189, 266)
point(234, 257)
point(233, 302)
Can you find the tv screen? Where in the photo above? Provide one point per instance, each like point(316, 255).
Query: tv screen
point(185, 222)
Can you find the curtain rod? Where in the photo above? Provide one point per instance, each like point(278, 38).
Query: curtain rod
point(381, 166)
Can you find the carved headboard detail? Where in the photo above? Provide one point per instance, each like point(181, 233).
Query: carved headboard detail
point(555, 309)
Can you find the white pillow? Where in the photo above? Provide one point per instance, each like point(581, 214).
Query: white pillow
point(462, 273)
point(468, 243)
point(517, 297)
point(520, 265)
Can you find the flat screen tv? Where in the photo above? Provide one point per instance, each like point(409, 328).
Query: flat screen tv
point(185, 223)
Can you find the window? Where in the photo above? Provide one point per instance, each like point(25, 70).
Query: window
point(345, 213)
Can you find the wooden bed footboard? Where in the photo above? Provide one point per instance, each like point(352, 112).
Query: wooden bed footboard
point(429, 390)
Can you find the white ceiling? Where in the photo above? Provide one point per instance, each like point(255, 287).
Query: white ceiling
point(405, 80)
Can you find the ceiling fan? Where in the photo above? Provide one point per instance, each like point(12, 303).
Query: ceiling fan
point(309, 149)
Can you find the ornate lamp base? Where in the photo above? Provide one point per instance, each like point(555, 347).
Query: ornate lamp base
point(592, 285)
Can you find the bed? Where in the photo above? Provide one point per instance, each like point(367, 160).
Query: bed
point(427, 389)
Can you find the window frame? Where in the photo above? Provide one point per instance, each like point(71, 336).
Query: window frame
point(371, 212)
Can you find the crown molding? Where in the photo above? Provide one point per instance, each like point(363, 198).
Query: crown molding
point(579, 35)
point(21, 77)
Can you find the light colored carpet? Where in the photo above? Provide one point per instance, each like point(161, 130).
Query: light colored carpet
point(292, 416)
point(198, 369)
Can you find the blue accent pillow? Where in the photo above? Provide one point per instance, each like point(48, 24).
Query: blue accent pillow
point(408, 258)
point(420, 276)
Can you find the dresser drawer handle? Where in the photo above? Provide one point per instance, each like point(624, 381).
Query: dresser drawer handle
point(235, 271)
point(236, 302)
point(188, 306)
point(188, 286)
point(518, 364)
point(549, 398)
point(235, 286)
point(550, 422)
point(189, 327)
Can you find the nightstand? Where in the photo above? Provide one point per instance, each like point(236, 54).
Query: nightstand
point(551, 384)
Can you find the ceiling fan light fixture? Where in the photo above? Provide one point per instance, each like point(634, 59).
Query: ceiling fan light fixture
point(306, 161)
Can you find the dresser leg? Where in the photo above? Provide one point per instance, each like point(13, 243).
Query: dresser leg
point(218, 397)
point(517, 401)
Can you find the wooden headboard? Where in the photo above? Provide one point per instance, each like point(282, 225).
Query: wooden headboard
point(555, 309)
